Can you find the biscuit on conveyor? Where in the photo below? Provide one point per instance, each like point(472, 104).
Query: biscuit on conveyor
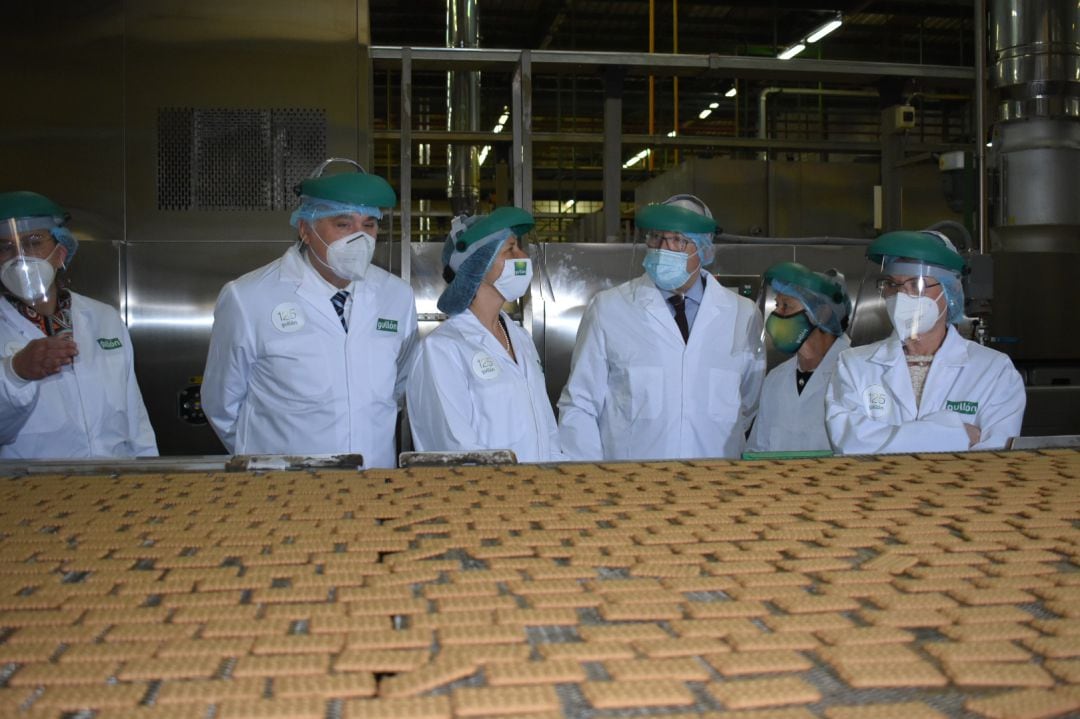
point(188, 692)
point(630, 695)
point(383, 661)
point(553, 671)
point(95, 697)
point(988, 632)
point(1066, 669)
point(756, 693)
point(768, 642)
point(976, 652)
point(590, 651)
point(897, 710)
point(281, 665)
point(338, 686)
point(1026, 704)
point(76, 673)
point(998, 674)
point(175, 668)
point(440, 671)
point(763, 662)
point(488, 701)
point(908, 674)
point(290, 708)
point(683, 647)
point(683, 668)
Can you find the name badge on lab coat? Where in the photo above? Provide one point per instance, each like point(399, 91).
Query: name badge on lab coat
point(484, 366)
point(877, 401)
point(288, 317)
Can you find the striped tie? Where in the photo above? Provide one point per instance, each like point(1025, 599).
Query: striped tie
point(338, 301)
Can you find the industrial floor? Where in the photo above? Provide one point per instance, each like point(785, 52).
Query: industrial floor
point(904, 587)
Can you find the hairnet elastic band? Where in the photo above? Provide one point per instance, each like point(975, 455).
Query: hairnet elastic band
point(457, 259)
point(312, 208)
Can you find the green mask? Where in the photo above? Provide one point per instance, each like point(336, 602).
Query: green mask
point(788, 333)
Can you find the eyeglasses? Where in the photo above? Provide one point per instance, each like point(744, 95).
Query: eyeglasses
point(912, 287)
point(37, 244)
point(671, 240)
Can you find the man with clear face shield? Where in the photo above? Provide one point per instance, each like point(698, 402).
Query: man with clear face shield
point(67, 389)
point(810, 316)
point(477, 382)
point(670, 364)
point(308, 354)
point(925, 388)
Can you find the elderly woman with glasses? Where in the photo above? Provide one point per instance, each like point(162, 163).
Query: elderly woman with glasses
point(925, 388)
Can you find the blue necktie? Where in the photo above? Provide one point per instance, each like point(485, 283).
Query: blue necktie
point(338, 301)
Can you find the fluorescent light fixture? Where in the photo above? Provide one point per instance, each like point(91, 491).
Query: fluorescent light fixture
point(790, 52)
point(636, 159)
point(714, 105)
point(569, 204)
point(484, 153)
point(731, 93)
point(704, 113)
point(824, 29)
point(504, 117)
point(671, 134)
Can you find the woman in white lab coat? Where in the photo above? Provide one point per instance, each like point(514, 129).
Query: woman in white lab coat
point(925, 388)
point(477, 382)
point(67, 386)
point(808, 321)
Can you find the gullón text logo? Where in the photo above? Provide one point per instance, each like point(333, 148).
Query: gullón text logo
point(110, 343)
point(520, 267)
point(962, 406)
point(384, 325)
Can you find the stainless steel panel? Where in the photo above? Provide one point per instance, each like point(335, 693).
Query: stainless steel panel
point(1032, 305)
point(95, 271)
point(207, 56)
point(734, 190)
point(811, 199)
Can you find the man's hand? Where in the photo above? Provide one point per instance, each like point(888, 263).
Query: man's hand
point(974, 434)
point(43, 357)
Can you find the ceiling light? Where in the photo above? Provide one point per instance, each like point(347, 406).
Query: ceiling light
point(569, 204)
point(714, 105)
point(484, 154)
point(671, 134)
point(636, 159)
point(704, 113)
point(790, 52)
point(731, 93)
point(825, 29)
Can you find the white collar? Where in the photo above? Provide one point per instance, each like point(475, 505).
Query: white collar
point(320, 281)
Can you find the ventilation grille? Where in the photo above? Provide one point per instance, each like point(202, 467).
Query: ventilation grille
point(229, 159)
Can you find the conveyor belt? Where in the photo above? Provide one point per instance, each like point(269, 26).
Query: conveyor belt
point(847, 588)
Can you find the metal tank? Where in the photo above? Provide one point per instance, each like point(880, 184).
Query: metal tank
point(1036, 139)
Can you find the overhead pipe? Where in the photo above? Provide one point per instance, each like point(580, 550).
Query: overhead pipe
point(462, 109)
point(763, 100)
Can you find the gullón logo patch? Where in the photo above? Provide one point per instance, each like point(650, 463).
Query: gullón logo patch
point(110, 343)
point(384, 325)
point(520, 267)
point(962, 406)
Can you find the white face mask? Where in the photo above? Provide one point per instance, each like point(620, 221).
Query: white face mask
point(350, 256)
point(912, 316)
point(515, 279)
point(28, 278)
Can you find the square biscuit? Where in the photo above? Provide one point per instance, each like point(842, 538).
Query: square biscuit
point(488, 701)
point(632, 695)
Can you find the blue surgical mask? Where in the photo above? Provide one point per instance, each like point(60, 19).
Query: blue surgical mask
point(667, 269)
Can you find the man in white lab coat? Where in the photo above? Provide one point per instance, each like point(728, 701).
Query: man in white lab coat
point(67, 388)
point(925, 388)
point(477, 383)
point(810, 315)
point(308, 354)
point(668, 365)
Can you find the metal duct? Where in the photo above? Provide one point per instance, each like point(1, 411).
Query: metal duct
point(1036, 141)
point(462, 109)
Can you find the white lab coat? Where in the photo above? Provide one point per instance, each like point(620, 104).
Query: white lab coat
point(283, 377)
point(788, 421)
point(637, 391)
point(870, 406)
point(91, 408)
point(466, 393)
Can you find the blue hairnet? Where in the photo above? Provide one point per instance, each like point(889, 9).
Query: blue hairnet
point(950, 282)
point(67, 240)
point(822, 311)
point(314, 208)
point(703, 240)
point(459, 294)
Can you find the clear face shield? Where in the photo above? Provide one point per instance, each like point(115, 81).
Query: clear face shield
point(914, 298)
point(669, 257)
point(27, 253)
